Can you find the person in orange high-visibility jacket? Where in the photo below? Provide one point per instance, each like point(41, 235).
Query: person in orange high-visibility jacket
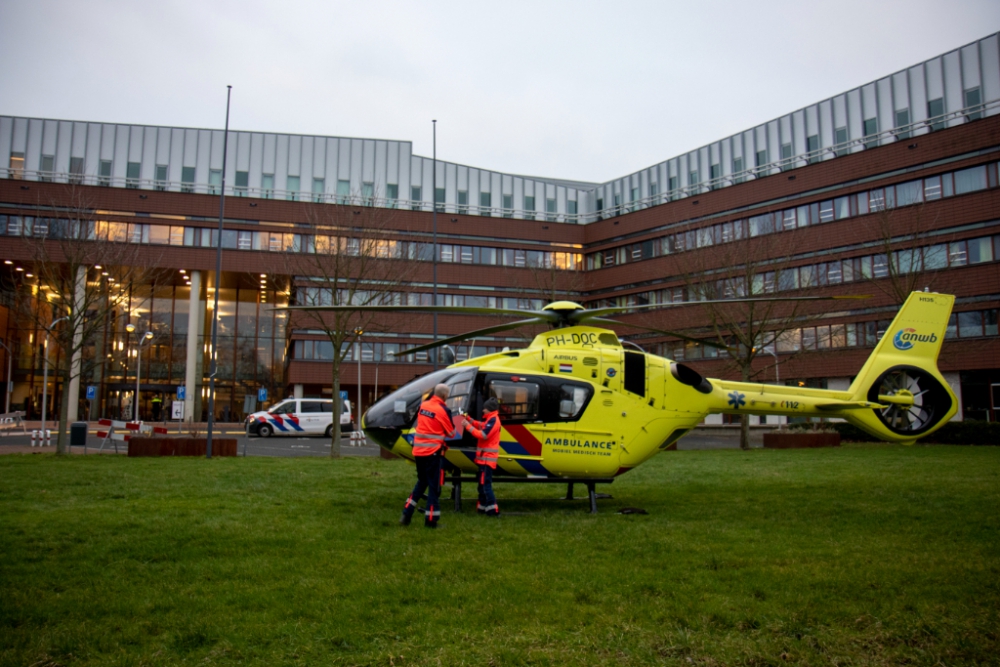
point(488, 434)
point(434, 426)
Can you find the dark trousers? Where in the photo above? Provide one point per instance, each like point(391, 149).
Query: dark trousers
point(430, 478)
point(487, 501)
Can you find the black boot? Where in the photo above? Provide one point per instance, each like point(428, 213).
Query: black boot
point(405, 520)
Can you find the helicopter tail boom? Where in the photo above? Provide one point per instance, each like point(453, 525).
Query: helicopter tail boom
point(899, 394)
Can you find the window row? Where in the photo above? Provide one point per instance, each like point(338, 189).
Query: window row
point(967, 324)
point(322, 350)
point(205, 237)
point(323, 296)
point(877, 200)
point(854, 269)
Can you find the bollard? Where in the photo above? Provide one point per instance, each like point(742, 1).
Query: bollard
point(34, 437)
point(48, 438)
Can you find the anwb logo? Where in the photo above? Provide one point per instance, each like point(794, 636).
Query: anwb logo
point(904, 339)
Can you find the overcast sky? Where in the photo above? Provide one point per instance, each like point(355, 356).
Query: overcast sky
point(577, 90)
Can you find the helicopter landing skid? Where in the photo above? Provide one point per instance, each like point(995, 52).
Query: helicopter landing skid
point(457, 480)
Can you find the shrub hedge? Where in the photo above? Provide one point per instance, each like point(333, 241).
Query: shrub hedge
point(971, 432)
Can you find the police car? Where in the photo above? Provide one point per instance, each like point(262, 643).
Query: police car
point(299, 416)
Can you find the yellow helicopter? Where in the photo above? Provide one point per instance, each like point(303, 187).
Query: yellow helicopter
point(576, 404)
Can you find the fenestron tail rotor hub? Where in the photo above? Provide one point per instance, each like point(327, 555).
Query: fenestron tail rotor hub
point(914, 400)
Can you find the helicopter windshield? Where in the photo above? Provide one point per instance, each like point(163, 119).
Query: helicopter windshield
point(398, 409)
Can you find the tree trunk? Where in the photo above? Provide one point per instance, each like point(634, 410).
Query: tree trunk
point(338, 405)
point(62, 443)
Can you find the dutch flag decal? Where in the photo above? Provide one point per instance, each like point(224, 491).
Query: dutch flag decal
point(565, 368)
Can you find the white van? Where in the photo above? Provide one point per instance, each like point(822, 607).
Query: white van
point(300, 416)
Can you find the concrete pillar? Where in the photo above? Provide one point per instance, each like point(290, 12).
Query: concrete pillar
point(297, 391)
point(79, 301)
point(192, 366)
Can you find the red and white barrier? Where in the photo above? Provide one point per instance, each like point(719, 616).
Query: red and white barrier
point(41, 438)
point(122, 431)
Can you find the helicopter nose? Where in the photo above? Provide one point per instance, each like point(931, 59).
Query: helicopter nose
point(385, 437)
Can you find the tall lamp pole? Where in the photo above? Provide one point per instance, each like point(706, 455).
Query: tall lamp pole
point(10, 378)
point(434, 217)
point(218, 284)
point(45, 371)
point(138, 372)
point(358, 332)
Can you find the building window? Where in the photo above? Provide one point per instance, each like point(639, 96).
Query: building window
point(715, 174)
point(693, 179)
point(17, 166)
point(550, 209)
point(439, 199)
point(132, 175)
point(214, 181)
point(935, 109)
point(463, 201)
point(903, 121)
point(292, 186)
point(161, 177)
point(484, 204)
point(571, 208)
point(267, 186)
point(508, 206)
point(812, 148)
point(368, 193)
point(738, 170)
point(786, 157)
point(343, 191)
point(972, 101)
point(529, 207)
point(104, 172)
point(187, 179)
point(392, 194)
point(46, 168)
point(319, 187)
point(871, 130)
point(761, 161)
point(671, 188)
point(654, 189)
point(618, 204)
point(415, 197)
point(840, 141)
point(76, 170)
point(242, 180)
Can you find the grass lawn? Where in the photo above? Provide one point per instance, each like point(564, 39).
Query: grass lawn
point(863, 555)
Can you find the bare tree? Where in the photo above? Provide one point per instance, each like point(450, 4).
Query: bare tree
point(900, 266)
point(743, 330)
point(82, 271)
point(353, 261)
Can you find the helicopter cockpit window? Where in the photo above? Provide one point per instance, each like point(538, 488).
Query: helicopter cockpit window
point(399, 409)
point(518, 400)
point(572, 399)
point(460, 386)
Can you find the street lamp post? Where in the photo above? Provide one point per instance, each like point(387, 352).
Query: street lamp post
point(45, 371)
point(138, 373)
point(359, 332)
point(10, 378)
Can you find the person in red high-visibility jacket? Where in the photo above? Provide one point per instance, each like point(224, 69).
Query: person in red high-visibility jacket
point(488, 434)
point(434, 426)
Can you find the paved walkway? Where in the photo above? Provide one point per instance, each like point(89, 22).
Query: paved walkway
point(17, 443)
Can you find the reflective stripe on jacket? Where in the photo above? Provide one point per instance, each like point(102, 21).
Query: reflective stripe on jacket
point(488, 434)
point(434, 425)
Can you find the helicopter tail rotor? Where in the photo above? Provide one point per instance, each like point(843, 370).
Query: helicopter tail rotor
point(901, 376)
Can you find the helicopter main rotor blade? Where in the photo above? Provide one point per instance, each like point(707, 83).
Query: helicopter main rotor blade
point(605, 320)
point(584, 315)
point(441, 310)
point(471, 334)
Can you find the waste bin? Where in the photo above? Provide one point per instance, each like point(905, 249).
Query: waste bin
point(78, 434)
